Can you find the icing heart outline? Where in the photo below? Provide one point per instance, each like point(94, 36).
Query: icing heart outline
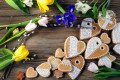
point(65, 66)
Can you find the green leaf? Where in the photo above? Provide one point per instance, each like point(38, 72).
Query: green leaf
point(5, 62)
point(7, 34)
point(117, 63)
point(107, 69)
point(14, 36)
point(6, 51)
point(34, 20)
point(18, 5)
point(104, 12)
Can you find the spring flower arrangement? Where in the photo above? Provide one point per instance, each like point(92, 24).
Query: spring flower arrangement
point(21, 53)
point(68, 17)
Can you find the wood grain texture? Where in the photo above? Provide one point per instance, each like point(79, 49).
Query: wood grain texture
point(46, 40)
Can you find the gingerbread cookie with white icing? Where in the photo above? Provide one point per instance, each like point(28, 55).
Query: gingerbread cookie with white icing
point(96, 49)
point(54, 62)
point(65, 66)
point(73, 47)
point(108, 22)
point(44, 69)
point(78, 64)
point(116, 34)
point(106, 60)
point(116, 48)
point(89, 29)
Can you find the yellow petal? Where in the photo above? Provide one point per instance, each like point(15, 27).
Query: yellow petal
point(51, 2)
point(21, 53)
point(43, 5)
point(43, 8)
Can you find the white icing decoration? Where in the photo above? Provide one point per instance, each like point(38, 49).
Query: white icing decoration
point(75, 72)
point(86, 30)
point(105, 61)
point(116, 33)
point(107, 19)
point(92, 46)
point(117, 48)
point(54, 64)
point(73, 46)
point(66, 62)
point(43, 72)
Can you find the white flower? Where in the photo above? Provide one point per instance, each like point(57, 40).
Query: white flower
point(85, 8)
point(29, 3)
point(93, 67)
point(30, 26)
point(78, 5)
point(82, 7)
point(43, 21)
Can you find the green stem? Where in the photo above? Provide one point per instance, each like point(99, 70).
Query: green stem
point(100, 5)
point(14, 36)
point(108, 74)
point(96, 2)
point(117, 63)
point(22, 23)
point(59, 7)
point(91, 2)
point(9, 31)
point(108, 3)
point(105, 4)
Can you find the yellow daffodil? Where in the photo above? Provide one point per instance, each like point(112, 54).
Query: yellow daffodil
point(43, 5)
point(21, 53)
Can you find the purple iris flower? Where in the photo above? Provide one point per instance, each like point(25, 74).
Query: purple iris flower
point(67, 17)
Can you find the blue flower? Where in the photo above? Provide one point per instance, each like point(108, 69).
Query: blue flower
point(67, 17)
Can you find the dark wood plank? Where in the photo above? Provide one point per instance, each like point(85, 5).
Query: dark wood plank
point(46, 40)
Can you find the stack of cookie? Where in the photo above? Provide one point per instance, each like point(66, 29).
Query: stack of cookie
point(71, 61)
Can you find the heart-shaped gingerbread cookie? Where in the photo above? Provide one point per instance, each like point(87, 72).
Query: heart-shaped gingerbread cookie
point(73, 47)
point(108, 22)
point(96, 49)
point(59, 53)
point(78, 64)
point(106, 60)
point(89, 29)
point(116, 34)
point(116, 48)
point(54, 62)
point(31, 73)
point(105, 38)
point(65, 66)
point(44, 69)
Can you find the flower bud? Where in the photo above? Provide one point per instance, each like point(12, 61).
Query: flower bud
point(30, 26)
point(43, 22)
point(93, 67)
point(21, 53)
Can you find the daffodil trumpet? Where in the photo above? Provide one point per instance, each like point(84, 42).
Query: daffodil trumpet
point(9, 57)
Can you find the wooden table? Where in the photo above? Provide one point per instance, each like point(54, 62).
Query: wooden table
point(45, 41)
